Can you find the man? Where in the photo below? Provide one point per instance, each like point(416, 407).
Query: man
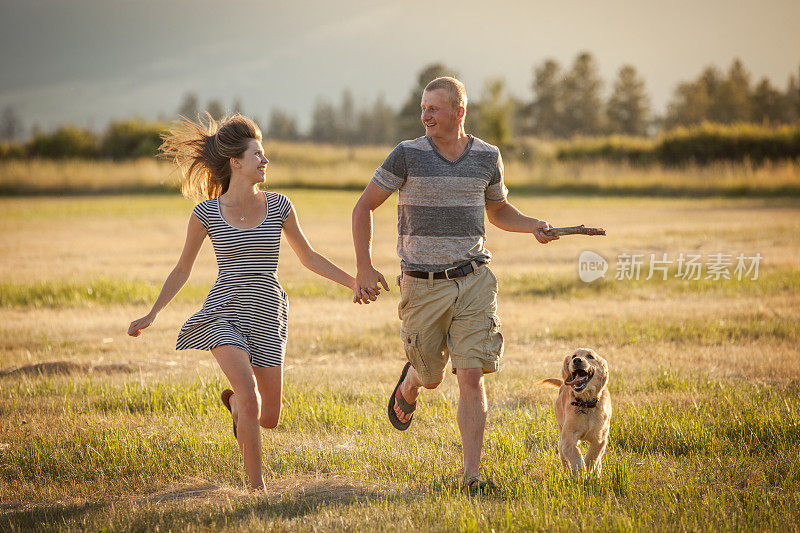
point(448, 295)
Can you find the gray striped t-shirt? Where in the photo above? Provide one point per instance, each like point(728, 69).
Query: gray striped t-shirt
point(441, 203)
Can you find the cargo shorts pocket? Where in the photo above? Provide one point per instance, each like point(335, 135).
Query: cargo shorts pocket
point(411, 346)
point(494, 339)
point(406, 293)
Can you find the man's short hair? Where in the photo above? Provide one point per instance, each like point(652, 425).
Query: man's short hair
point(456, 93)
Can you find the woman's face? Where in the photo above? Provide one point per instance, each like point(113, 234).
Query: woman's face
point(253, 163)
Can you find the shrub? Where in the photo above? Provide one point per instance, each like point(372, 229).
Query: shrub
point(713, 142)
point(65, 142)
point(702, 144)
point(132, 139)
point(12, 150)
point(614, 148)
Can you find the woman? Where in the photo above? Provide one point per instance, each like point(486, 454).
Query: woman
point(244, 318)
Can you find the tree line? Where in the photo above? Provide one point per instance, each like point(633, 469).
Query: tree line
point(564, 102)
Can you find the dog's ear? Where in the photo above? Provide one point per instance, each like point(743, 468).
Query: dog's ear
point(600, 374)
point(565, 368)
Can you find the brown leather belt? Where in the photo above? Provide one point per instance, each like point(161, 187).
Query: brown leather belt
point(450, 273)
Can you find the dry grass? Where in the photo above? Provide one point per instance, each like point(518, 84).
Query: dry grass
point(102, 431)
point(79, 176)
point(334, 167)
point(139, 237)
point(601, 177)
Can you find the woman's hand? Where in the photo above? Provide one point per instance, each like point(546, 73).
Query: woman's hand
point(360, 296)
point(136, 327)
point(316, 262)
point(195, 234)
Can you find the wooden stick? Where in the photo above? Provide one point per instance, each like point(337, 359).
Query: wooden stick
point(574, 230)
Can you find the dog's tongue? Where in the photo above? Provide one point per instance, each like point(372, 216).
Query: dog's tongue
point(576, 379)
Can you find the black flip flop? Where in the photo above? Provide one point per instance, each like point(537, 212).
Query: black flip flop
point(406, 407)
point(226, 401)
point(476, 485)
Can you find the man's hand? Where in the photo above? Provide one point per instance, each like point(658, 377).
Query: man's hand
point(367, 278)
point(507, 217)
point(539, 227)
point(367, 285)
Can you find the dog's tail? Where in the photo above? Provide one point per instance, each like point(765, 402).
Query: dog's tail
point(551, 381)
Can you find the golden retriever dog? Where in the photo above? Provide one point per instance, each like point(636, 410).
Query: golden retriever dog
point(583, 410)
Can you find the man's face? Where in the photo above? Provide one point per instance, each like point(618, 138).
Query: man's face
point(438, 115)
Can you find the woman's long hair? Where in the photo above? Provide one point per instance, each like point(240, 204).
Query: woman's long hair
point(203, 150)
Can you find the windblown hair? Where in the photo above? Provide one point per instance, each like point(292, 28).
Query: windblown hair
point(456, 92)
point(203, 150)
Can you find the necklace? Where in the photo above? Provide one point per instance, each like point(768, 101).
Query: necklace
point(241, 218)
point(242, 214)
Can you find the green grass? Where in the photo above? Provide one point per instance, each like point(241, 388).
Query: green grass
point(569, 285)
point(108, 291)
point(665, 464)
point(102, 432)
point(94, 292)
point(105, 291)
point(698, 331)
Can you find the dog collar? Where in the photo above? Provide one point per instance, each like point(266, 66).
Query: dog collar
point(584, 403)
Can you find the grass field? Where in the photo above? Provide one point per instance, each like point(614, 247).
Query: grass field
point(335, 167)
point(99, 431)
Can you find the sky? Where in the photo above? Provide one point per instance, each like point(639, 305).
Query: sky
point(91, 61)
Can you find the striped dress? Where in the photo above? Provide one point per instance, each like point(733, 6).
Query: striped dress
point(246, 306)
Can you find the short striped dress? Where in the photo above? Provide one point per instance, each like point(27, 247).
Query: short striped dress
point(246, 306)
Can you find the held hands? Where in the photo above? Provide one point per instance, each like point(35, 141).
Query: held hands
point(367, 286)
point(136, 327)
point(539, 227)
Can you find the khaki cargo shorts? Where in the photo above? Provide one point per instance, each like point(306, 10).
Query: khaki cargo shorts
point(450, 319)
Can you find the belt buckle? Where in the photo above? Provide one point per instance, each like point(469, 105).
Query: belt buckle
point(447, 272)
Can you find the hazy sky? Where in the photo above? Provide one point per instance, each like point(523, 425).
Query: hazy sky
point(88, 61)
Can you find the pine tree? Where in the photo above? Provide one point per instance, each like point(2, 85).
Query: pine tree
point(629, 106)
point(347, 118)
point(731, 97)
point(690, 104)
point(494, 120)
point(582, 103)
point(547, 106)
point(767, 105)
point(190, 106)
point(791, 100)
point(237, 106)
point(215, 109)
point(377, 124)
point(324, 123)
point(10, 124)
point(712, 80)
point(282, 126)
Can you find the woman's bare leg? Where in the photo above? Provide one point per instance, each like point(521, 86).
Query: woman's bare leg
point(270, 387)
point(245, 406)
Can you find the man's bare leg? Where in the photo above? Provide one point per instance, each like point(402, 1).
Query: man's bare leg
point(409, 389)
point(471, 417)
